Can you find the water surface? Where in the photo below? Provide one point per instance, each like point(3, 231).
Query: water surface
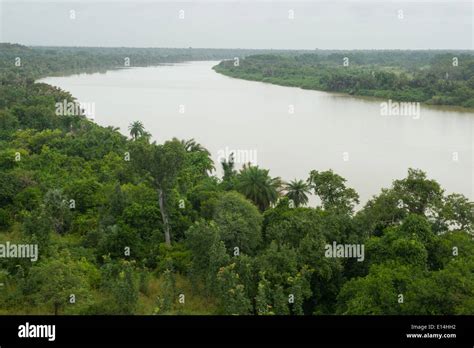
point(289, 130)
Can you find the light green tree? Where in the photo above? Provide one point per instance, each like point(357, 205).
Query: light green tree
point(332, 191)
point(239, 223)
point(57, 280)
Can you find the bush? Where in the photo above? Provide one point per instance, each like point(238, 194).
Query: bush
point(5, 219)
point(176, 258)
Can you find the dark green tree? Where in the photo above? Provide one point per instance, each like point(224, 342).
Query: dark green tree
point(297, 191)
point(256, 184)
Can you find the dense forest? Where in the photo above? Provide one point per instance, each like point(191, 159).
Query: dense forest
point(125, 225)
point(431, 77)
point(36, 62)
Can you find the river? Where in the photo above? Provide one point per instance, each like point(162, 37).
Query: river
point(287, 130)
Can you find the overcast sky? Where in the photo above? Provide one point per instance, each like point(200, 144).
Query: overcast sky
point(336, 24)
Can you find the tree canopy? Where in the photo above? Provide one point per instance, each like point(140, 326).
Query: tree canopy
point(135, 226)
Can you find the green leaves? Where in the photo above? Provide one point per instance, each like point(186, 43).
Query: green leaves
point(121, 280)
point(417, 192)
point(54, 280)
point(332, 191)
point(239, 223)
point(256, 184)
point(129, 194)
point(231, 292)
point(378, 292)
point(297, 191)
point(207, 250)
point(136, 129)
point(162, 163)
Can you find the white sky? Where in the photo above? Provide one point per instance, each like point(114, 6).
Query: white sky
point(336, 24)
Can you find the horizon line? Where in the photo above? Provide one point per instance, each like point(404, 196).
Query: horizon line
point(243, 48)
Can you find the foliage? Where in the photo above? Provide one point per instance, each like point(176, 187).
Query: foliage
point(239, 223)
point(125, 225)
point(54, 281)
point(297, 191)
point(332, 191)
point(256, 184)
point(408, 76)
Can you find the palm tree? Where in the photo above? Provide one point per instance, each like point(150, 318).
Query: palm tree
point(202, 159)
point(255, 184)
point(113, 129)
point(297, 191)
point(192, 145)
point(136, 130)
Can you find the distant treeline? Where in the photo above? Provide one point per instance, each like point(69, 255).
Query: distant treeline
point(36, 62)
point(432, 77)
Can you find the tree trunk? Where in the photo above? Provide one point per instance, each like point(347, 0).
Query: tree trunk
point(164, 216)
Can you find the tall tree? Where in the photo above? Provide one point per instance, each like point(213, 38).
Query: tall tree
point(136, 129)
point(163, 163)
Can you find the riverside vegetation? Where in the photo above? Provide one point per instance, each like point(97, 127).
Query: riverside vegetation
point(130, 226)
point(431, 77)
